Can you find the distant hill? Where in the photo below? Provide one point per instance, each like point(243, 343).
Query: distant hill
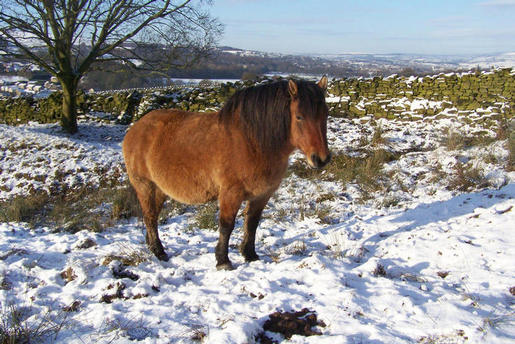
point(229, 62)
point(234, 63)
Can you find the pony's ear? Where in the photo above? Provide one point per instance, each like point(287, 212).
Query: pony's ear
point(323, 83)
point(292, 88)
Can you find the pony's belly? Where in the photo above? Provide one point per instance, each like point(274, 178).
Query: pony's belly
point(191, 198)
point(189, 192)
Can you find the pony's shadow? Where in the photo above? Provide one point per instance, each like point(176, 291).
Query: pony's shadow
point(91, 132)
point(440, 211)
point(411, 219)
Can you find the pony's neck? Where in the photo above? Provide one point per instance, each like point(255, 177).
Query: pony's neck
point(278, 156)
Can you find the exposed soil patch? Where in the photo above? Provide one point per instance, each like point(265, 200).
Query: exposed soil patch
point(86, 243)
point(118, 293)
point(443, 274)
point(290, 323)
point(121, 272)
point(68, 275)
point(73, 307)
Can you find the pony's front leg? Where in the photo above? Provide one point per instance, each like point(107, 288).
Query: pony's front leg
point(252, 217)
point(229, 206)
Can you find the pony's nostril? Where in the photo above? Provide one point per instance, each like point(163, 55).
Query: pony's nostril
point(318, 162)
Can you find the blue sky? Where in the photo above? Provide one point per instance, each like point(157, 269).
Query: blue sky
point(368, 26)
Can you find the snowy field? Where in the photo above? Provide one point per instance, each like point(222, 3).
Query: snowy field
point(419, 257)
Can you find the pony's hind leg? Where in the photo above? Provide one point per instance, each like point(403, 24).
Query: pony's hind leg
point(151, 199)
point(252, 217)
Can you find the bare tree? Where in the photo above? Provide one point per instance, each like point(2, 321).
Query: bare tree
point(68, 38)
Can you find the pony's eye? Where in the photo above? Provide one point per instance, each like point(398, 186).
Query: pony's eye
point(300, 118)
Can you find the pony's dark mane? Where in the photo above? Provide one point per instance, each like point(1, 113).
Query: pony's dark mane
point(264, 111)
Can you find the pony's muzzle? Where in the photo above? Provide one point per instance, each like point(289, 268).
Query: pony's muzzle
point(317, 162)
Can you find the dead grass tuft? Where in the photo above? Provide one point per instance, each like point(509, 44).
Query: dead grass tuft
point(302, 170)
point(126, 330)
point(18, 325)
point(24, 208)
point(467, 178)
point(199, 333)
point(12, 252)
point(457, 337)
point(5, 284)
point(378, 137)
point(77, 210)
point(73, 307)
point(337, 243)
point(172, 208)
point(125, 203)
point(379, 271)
point(510, 166)
point(73, 210)
point(454, 140)
point(324, 214)
point(68, 275)
point(364, 169)
point(128, 256)
point(205, 217)
point(275, 256)
point(497, 321)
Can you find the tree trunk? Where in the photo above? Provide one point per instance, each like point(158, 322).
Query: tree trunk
point(69, 113)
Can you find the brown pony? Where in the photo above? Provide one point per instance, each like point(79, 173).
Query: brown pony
point(237, 154)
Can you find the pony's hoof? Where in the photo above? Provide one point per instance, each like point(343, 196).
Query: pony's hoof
point(250, 255)
point(225, 266)
point(162, 256)
point(251, 258)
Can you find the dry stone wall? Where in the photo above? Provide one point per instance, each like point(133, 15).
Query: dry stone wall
point(489, 93)
point(401, 97)
point(19, 110)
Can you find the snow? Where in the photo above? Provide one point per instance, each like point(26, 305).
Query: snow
point(32, 153)
point(436, 267)
point(506, 60)
point(424, 104)
point(11, 78)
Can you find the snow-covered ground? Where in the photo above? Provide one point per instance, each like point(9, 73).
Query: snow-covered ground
point(412, 261)
point(506, 60)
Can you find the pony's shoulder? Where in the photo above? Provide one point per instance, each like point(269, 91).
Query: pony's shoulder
point(176, 117)
point(169, 113)
point(165, 115)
